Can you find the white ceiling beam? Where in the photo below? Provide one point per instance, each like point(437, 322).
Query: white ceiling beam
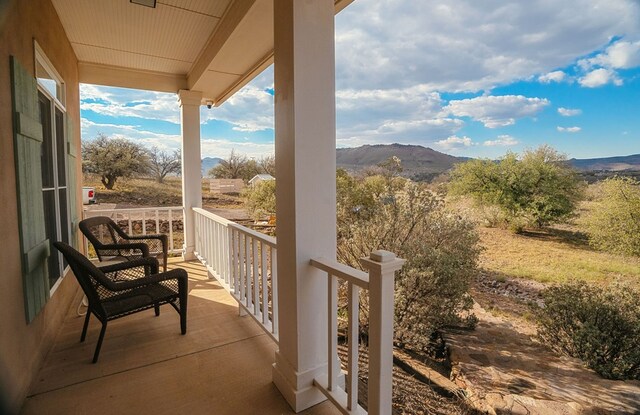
point(263, 64)
point(91, 73)
point(233, 15)
point(245, 79)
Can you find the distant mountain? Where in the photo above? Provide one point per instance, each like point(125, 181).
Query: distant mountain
point(208, 163)
point(620, 163)
point(417, 162)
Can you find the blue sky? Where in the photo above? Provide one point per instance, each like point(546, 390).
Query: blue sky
point(464, 77)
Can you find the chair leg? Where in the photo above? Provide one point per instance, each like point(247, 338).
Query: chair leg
point(86, 325)
point(99, 345)
point(183, 321)
point(156, 306)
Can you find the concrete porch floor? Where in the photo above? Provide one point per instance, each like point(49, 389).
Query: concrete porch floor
point(221, 366)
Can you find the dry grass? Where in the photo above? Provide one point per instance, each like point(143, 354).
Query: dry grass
point(141, 192)
point(554, 255)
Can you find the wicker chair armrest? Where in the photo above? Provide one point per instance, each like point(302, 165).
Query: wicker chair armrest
point(179, 275)
point(142, 247)
point(161, 237)
point(151, 262)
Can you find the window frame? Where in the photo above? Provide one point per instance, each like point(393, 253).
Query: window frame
point(41, 58)
point(56, 104)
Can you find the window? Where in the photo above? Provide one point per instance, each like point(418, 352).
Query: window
point(53, 162)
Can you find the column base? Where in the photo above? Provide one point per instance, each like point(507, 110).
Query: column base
point(188, 253)
point(297, 387)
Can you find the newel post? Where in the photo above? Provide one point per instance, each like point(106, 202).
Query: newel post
point(382, 266)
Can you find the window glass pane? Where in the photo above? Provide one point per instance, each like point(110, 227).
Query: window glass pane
point(49, 199)
point(64, 220)
point(47, 142)
point(64, 216)
point(48, 81)
point(60, 148)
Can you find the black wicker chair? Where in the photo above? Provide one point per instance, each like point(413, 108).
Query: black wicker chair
point(110, 242)
point(125, 288)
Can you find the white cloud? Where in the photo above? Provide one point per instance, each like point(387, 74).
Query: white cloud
point(122, 102)
point(135, 133)
point(220, 147)
point(401, 115)
point(569, 112)
point(248, 110)
point(620, 55)
point(454, 143)
point(496, 111)
point(502, 140)
point(599, 77)
point(555, 76)
point(469, 46)
point(603, 68)
point(569, 129)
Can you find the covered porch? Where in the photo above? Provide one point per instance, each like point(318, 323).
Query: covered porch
point(222, 365)
point(204, 51)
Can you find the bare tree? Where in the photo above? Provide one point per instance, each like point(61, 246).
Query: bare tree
point(230, 168)
point(268, 164)
point(162, 163)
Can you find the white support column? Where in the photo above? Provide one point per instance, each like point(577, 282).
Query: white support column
point(191, 170)
point(306, 190)
point(382, 266)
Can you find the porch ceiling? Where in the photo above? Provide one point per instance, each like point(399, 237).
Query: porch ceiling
point(213, 46)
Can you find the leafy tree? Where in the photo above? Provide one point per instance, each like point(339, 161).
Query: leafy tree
point(441, 249)
point(538, 189)
point(162, 163)
point(113, 158)
point(614, 222)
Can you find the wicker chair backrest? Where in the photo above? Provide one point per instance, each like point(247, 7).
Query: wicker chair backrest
point(91, 279)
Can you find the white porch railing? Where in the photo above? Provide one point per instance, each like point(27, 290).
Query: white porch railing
point(379, 282)
point(244, 262)
point(157, 215)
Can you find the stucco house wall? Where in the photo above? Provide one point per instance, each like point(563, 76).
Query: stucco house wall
point(23, 346)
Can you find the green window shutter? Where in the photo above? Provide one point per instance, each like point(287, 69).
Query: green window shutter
point(27, 135)
point(72, 181)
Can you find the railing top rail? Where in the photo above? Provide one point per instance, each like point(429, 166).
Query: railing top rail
point(345, 272)
point(269, 240)
point(145, 209)
point(213, 216)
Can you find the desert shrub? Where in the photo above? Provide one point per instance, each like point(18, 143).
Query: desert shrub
point(260, 199)
point(440, 247)
point(614, 222)
point(534, 190)
point(600, 326)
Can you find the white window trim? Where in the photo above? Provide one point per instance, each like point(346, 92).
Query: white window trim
point(41, 57)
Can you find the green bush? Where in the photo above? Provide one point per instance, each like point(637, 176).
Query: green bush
point(614, 223)
point(534, 190)
point(260, 199)
point(600, 326)
point(441, 249)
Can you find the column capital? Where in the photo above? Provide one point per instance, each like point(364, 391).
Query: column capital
point(188, 97)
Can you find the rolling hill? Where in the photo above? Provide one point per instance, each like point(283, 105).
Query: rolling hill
point(417, 161)
point(620, 163)
point(208, 163)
